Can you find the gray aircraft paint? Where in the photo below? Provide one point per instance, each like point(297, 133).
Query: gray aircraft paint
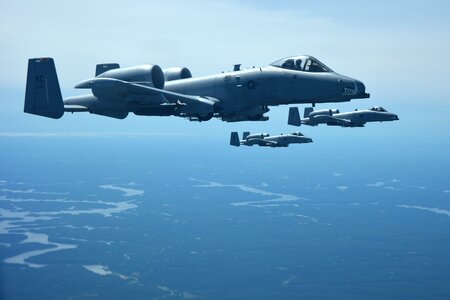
point(265, 140)
point(43, 95)
point(333, 117)
point(232, 96)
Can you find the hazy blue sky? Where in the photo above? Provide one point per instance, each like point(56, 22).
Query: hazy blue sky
point(400, 49)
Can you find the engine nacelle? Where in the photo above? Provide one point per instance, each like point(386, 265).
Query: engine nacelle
point(257, 136)
point(150, 75)
point(175, 73)
point(323, 112)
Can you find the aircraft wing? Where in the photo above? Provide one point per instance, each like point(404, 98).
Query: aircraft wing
point(113, 88)
point(331, 119)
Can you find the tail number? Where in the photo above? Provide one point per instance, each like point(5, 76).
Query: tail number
point(39, 81)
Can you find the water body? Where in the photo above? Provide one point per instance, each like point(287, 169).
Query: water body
point(251, 225)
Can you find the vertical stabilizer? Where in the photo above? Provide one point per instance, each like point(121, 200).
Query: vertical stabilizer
point(294, 117)
point(308, 110)
point(234, 139)
point(245, 134)
point(43, 95)
point(102, 68)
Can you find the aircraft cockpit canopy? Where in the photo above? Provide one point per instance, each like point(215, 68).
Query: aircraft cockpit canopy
point(378, 108)
point(297, 133)
point(302, 63)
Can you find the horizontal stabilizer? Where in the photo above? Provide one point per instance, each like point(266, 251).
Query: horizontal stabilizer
point(102, 68)
point(43, 95)
point(294, 117)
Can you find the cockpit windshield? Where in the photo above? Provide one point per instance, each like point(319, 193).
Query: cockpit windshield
point(378, 108)
point(302, 63)
point(297, 133)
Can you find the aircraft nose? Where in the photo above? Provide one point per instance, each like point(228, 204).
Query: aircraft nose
point(361, 89)
point(395, 117)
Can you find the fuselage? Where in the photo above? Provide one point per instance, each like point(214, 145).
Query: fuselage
point(355, 118)
point(269, 86)
point(282, 140)
point(367, 115)
point(236, 96)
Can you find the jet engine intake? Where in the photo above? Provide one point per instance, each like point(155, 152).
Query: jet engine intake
point(176, 73)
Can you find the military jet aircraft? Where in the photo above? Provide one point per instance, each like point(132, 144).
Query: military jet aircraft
point(333, 117)
point(148, 90)
point(264, 139)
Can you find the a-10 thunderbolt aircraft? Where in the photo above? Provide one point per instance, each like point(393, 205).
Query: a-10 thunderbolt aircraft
point(333, 117)
point(264, 139)
point(148, 90)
